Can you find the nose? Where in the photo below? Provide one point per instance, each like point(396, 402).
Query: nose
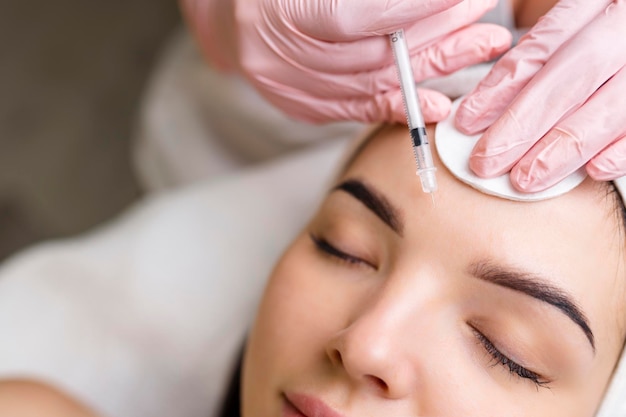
point(371, 353)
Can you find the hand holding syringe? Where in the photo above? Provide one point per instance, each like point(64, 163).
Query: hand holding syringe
point(417, 126)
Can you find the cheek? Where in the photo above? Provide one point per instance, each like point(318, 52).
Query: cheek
point(274, 345)
point(300, 310)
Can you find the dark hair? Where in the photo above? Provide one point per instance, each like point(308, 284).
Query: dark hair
point(620, 211)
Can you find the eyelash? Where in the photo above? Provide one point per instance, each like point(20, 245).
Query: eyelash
point(324, 246)
point(513, 367)
point(498, 357)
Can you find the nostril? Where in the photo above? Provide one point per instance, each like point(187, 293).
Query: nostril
point(378, 382)
point(335, 357)
point(362, 367)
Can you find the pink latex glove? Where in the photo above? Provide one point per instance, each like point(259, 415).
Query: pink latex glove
point(323, 60)
point(557, 101)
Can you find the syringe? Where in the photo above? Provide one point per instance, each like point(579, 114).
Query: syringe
point(417, 126)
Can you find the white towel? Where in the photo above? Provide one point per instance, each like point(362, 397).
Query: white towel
point(144, 317)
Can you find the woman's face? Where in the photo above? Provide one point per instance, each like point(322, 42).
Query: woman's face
point(390, 305)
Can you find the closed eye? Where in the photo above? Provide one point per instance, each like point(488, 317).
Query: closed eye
point(511, 366)
point(328, 249)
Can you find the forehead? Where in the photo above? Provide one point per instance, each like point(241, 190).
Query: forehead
point(575, 239)
point(386, 157)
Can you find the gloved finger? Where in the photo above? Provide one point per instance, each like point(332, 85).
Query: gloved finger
point(372, 51)
point(384, 107)
point(575, 140)
point(490, 98)
point(389, 107)
point(610, 163)
point(562, 86)
point(338, 21)
point(467, 46)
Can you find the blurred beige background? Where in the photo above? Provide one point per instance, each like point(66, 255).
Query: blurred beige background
point(71, 76)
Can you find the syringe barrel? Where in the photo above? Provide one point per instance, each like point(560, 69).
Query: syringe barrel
point(407, 80)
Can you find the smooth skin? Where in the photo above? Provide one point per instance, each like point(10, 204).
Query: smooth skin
point(28, 398)
point(395, 323)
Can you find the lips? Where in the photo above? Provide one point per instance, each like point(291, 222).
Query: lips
point(301, 405)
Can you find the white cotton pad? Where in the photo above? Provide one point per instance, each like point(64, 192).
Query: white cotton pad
point(454, 150)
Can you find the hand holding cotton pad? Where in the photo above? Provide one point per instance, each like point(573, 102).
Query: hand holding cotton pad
point(454, 150)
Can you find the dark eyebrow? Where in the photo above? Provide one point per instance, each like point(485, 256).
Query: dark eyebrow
point(374, 201)
point(535, 286)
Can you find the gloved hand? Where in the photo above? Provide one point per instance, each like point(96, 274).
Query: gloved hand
point(556, 101)
point(322, 60)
